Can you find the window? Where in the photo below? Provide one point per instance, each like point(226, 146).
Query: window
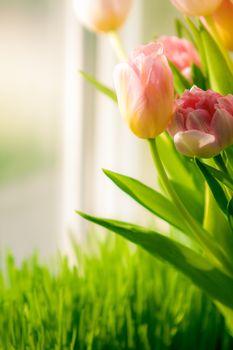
point(57, 132)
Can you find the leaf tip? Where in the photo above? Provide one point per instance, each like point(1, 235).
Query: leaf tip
point(80, 213)
point(107, 172)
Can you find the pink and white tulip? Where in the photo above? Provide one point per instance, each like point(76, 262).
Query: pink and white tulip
point(181, 53)
point(102, 15)
point(196, 7)
point(145, 91)
point(203, 123)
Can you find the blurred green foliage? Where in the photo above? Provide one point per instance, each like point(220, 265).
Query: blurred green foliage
point(115, 297)
point(34, 3)
point(23, 157)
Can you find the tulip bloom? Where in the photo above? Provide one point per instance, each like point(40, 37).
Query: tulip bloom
point(203, 123)
point(181, 53)
point(197, 7)
point(223, 22)
point(145, 91)
point(102, 15)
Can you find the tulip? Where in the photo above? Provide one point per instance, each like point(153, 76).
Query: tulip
point(181, 53)
point(197, 7)
point(102, 15)
point(203, 123)
point(145, 91)
point(223, 22)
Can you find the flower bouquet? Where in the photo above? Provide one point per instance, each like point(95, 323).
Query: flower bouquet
point(177, 94)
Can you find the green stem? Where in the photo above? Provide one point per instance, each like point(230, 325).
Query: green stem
point(117, 45)
point(201, 235)
point(165, 181)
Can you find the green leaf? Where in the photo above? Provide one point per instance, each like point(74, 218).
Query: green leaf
point(220, 76)
point(214, 185)
point(180, 82)
point(99, 86)
point(180, 169)
point(191, 199)
point(230, 213)
point(182, 31)
point(221, 176)
point(228, 153)
point(198, 78)
point(218, 285)
point(150, 199)
point(198, 41)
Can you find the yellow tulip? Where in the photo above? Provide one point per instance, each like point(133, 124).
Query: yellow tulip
point(197, 7)
point(223, 22)
point(102, 15)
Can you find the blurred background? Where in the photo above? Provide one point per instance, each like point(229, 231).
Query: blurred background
point(56, 131)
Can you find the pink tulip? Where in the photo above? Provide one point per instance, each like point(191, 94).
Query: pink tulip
point(181, 53)
point(145, 91)
point(102, 15)
point(197, 7)
point(203, 123)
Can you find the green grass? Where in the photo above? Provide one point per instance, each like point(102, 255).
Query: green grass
point(115, 298)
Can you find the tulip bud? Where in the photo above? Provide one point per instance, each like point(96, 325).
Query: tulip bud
point(181, 53)
point(102, 15)
point(223, 21)
point(196, 7)
point(145, 91)
point(203, 123)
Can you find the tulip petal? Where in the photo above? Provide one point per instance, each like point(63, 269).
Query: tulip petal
point(222, 128)
point(197, 7)
point(222, 19)
point(129, 91)
point(102, 15)
point(199, 119)
point(181, 53)
point(145, 91)
point(196, 143)
point(177, 124)
point(226, 103)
